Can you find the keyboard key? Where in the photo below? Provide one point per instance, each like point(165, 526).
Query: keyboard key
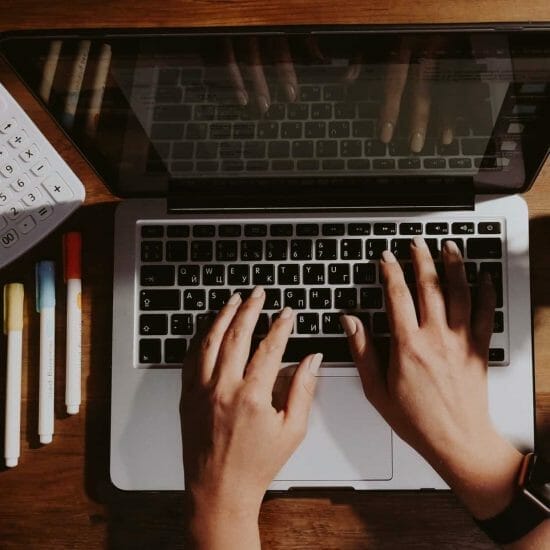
point(344, 110)
point(334, 349)
point(496, 354)
point(435, 163)
point(226, 251)
point(300, 249)
point(332, 229)
point(295, 298)
point(433, 246)
point(153, 325)
point(288, 274)
point(471, 272)
point(201, 251)
point(217, 298)
point(358, 164)
point(176, 251)
point(364, 274)
point(273, 299)
point(375, 148)
point(401, 248)
point(263, 274)
point(345, 298)
point(338, 274)
point(458, 242)
point(194, 299)
point(383, 164)
point(313, 274)
point(297, 111)
point(157, 275)
point(238, 275)
point(291, 130)
point(320, 298)
point(278, 149)
point(149, 350)
point(331, 323)
point(321, 111)
point(359, 228)
point(276, 250)
point(276, 112)
point(351, 249)
point(307, 323)
point(152, 231)
point(251, 251)
point(462, 228)
point(307, 229)
point(485, 228)
point(174, 350)
point(177, 231)
point(437, 228)
point(231, 230)
point(325, 249)
point(374, 248)
point(151, 251)
point(326, 149)
point(371, 297)
point(498, 325)
point(310, 93)
point(255, 230)
point(181, 323)
point(268, 130)
point(490, 248)
point(315, 129)
point(244, 131)
point(202, 231)
point(338, 129)
point(254, 150)
point(380, 324)
point(213, 275)
point(280, 230)
point(460, 163)
point(409, 164)
point(385, 228)
point(495, 271)
point(333, 92)
point(188, 275)
point(159, 300)
point(410, 228)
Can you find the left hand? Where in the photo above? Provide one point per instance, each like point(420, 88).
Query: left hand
point(234, 440)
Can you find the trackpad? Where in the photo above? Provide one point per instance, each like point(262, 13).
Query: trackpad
point(346, 440)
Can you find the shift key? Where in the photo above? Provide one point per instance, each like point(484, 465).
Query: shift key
point(159, 300)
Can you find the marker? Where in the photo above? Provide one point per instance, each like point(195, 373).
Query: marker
point(75, 82)
point(98, 89)
point(45, 305)
point(13, 329)
point(72, 254)
point(48, 73)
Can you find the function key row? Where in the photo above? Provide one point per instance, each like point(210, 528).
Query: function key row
point(314, 229)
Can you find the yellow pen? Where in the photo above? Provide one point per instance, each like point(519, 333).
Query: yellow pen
point(13, 329)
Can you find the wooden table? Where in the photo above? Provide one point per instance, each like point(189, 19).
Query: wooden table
point(60, 495)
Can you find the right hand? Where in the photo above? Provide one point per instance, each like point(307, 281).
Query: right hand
point(434, 390)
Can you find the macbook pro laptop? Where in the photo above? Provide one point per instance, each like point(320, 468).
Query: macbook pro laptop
point(264, 156)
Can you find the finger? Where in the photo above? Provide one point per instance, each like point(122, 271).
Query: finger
point(354, 68)
point(484, 315)
point(421, 102)
point(264, 365)
point(302, 391)
point(285, 68)
point(314, 50)
point(366, 359)
point(234, 71)
point(235, 346)
point(256, 74)
point(399, 302)
point(431, 304)
point(212, 340)
point(458, 291)
point(395, 80)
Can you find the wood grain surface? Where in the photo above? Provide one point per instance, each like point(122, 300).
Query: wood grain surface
point(60, 495)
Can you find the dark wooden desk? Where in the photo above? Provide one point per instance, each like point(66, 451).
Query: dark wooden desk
point(60, 495)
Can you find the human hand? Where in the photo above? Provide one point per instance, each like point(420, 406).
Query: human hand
point(234, 440)
point(434, 391)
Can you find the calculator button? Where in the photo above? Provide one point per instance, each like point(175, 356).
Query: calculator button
point(8, 126)
point(26, 225)
point(18, 139)
point(9, 238)
point(29, 154)
point(5, 196)
point(57, 188)
point(30, 198)
point(41, 168)
point(44, 212)
point(22, 183)
point(14, 210)
point(9, 168)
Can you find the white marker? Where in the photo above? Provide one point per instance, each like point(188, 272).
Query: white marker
point(72, 247)
point(45, 305)
point(75, 82)
point(13, 328)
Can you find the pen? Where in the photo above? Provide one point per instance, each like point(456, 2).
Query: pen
point(45, 305)
point(13, 329)
point(72, 247)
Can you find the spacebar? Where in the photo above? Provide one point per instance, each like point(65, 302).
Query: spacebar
point(333, 349)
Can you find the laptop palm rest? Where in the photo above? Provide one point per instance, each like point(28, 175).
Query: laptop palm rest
point(357, 442)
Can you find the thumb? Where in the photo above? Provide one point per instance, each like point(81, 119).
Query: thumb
point(302, 391)
point(365, 358)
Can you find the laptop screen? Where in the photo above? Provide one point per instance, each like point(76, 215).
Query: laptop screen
point(363, 104)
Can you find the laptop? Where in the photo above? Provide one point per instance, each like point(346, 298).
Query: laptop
point(230, 178)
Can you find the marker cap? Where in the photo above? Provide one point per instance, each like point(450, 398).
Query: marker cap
point(45, 285)
point(72, 255)
point(13, 306)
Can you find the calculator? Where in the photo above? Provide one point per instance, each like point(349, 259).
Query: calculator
point(38, 190)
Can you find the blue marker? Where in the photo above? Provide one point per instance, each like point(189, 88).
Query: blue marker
point(45, 305)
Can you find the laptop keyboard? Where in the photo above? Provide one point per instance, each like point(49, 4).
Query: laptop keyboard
point(186, 272)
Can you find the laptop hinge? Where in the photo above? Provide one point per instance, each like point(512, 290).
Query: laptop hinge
point(326, 194)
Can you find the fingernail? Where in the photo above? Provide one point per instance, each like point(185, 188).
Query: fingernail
point(419, 242)
point(447, 136)
point(286, 313)
point(235, 299)
point(417, 142)
point(386, 132)
point(389, 257)
point(348, 324)
point(452, 248)
point(257, 292)
point(315, 363)
point(242, 98)
point(290, 92)
point(263, 103)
